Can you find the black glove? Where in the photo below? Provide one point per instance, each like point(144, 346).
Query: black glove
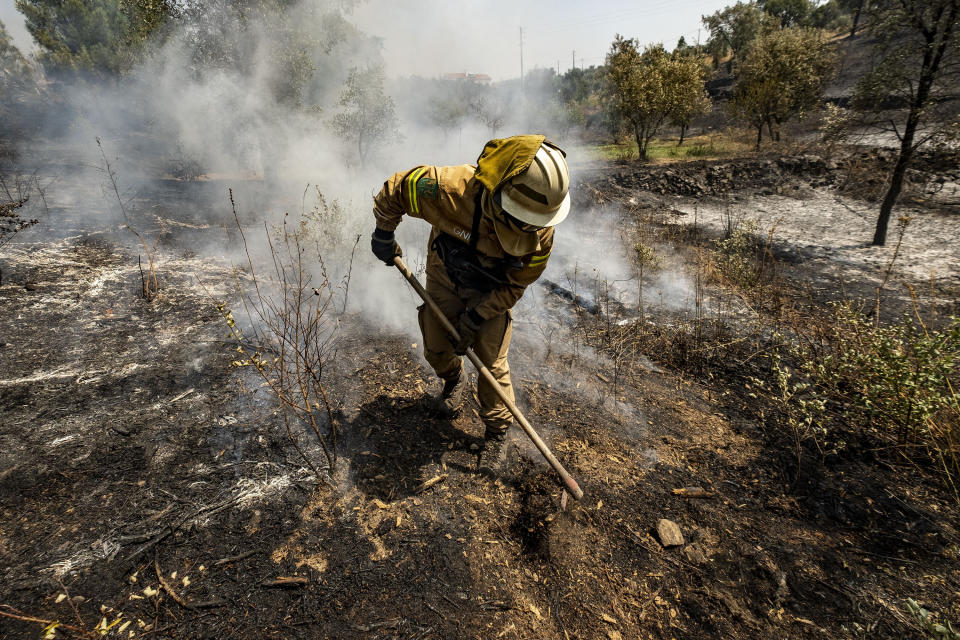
point(384, 246)
point(468, 328)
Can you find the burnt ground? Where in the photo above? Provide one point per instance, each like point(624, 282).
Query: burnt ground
point(131, 448)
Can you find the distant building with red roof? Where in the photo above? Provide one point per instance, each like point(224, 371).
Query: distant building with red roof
point(480, 78)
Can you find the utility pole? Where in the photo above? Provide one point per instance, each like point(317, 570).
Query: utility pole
point(573, 57)
point(521, 60)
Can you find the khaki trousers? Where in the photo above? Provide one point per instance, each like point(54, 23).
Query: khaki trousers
point(491, 345)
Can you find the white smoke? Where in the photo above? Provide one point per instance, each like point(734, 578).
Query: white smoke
point(247, 104)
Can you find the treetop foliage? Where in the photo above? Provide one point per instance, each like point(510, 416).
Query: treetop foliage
point(101, 36)
point(16, 74)
point(918, 47)
point(733, 28)
point(646, 89)
point(369, 115)
point(781, 77)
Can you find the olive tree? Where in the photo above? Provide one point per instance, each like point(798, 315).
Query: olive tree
point(368, 117)
point(691, 96)
point(646, 89)
point(911, 91)
point(734, 28)
point(781, 78)
point(789, 13)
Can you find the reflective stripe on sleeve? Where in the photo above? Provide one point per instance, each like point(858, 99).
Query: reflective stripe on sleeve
point(536, 261)
point(414, 205)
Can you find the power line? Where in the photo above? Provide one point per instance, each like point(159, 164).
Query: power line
point(617, 16)
point(521, 60)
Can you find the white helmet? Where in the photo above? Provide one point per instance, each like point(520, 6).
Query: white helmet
point(539, 196)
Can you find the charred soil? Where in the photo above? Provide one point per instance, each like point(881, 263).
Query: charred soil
point(145, 481)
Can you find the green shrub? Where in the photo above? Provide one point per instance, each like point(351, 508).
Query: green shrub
point(934, 630)
point(895, 382)
point(736, 254)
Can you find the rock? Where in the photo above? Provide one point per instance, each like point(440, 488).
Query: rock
point(694, 554)
point(669, 533)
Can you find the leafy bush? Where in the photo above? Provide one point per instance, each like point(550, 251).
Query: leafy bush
point(736, 254)
point(934, 630)
point(895, 382)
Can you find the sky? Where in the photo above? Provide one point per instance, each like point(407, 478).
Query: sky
point(484, 37)
point(432, 37)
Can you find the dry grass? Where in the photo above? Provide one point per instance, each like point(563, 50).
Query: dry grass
point(728, 143)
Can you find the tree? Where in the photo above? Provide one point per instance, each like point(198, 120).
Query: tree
point(646, 89)
point(448, 109)
point(855, 8)
point(908, 91)
point(492, 107)
point(781, 78)
point(828, 15)
point(16, 74)
point(734, 28)
point(369, 116)
point(789, 13)
point(102, 36)
point(691, 98)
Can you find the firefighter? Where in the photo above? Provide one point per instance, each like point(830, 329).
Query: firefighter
point(491, 237)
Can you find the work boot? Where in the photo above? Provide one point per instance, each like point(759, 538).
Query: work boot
point(494, 452)
point(450, 401)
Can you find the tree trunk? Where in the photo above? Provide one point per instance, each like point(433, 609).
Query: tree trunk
point(641, 146)
point(928, 71)
point(683, 130)
point(856, 18)
point(896, 179)
point(773, 137)
point(759, 135)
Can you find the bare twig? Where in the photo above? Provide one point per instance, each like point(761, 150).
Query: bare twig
point(285, 582)
point(346, 282)
point(150, 286)
point(167, 587)
point(236, 558)
point(9, 612)
point(290, 316)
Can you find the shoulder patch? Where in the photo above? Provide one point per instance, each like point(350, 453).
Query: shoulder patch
point(428, 188)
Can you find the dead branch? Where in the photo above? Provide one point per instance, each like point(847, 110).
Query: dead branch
point(161, 534)
point(435, 480)
point(19, 615)
point(285, 582)
point(236, 558)
point(166, 585)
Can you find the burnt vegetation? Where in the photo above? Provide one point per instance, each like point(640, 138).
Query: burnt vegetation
point(215, 418)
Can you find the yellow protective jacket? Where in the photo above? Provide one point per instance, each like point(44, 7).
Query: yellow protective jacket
point(445, 197)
